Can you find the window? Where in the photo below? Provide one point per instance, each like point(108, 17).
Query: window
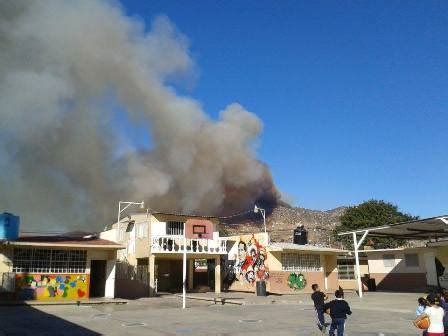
point(49, 261)
point(346, 269)
point(411, 260)
point(142, 229)
point(175, 228)
point(388, 260)
point(301, 262)
point(121, 234)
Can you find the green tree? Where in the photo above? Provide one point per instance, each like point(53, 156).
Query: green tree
point(369, 214)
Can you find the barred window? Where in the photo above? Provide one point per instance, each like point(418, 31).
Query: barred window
point(175, 228)
point(49, 261)
point(346, 269)
point(301, 262)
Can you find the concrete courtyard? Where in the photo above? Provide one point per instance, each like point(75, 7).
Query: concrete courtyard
point(376, 314)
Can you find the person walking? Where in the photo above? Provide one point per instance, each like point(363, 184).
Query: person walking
point(319, 298)
point(339, 309)
point(444, 305)
point(435, 313)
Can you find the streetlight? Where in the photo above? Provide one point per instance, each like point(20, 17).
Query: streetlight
point(120, 210)
point(263, 213)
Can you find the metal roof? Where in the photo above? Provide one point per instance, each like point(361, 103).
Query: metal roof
point(296, 247)
point(419, 229)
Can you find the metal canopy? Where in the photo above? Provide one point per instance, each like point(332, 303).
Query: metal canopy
point(419, 229)
point(432, 228)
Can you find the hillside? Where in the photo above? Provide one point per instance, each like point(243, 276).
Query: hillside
point(282, 221)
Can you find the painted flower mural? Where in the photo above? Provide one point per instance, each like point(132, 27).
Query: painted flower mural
point(296, 281)
point(52, 287)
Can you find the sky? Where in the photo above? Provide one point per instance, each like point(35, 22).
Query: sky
point(353, 95)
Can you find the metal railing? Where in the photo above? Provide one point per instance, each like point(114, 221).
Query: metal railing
point(178, 244)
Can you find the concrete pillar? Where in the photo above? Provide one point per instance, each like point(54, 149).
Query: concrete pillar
point(323, 262)
point(152, 275)
point(109, 291)
point(190, 274)
point(218, 274)
point(430, 268)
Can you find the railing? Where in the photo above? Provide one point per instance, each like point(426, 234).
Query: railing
point(178, 244)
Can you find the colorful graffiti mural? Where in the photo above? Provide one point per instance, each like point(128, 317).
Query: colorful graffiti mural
point(52, 287)
point(296, 281)
point(250, 261)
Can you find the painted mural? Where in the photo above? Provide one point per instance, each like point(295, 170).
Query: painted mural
point(250, 261)
point(52, 287)
point(296, 281)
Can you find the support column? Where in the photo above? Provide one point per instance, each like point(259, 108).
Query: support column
point(323, 262)
point(110, 278)
point(152, 275)
point(190, 274)
point(357, 245)
point(430, 268)
point(218, 274)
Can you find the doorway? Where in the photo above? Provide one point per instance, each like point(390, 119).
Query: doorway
point(97, 278)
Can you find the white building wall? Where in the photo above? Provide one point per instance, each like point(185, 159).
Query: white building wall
point(158, 228)
point(110, 280)
point(378, 265)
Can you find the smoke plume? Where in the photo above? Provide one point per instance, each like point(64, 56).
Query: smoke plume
point(64, 160)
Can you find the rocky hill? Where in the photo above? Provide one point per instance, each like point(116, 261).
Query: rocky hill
point(281, 222)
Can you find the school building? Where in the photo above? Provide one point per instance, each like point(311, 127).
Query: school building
point(155, 244)
point(57, 268)
point(286, 267)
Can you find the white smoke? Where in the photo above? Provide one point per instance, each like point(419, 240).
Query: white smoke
point(60, 163)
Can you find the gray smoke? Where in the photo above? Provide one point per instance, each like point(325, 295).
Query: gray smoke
point(65, 162)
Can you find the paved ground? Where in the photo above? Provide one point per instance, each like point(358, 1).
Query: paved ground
point(377, 314)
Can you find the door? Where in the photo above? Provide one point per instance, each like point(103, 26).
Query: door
point(97, 278)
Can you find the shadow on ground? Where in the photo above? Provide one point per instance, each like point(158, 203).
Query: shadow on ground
point(26, 320)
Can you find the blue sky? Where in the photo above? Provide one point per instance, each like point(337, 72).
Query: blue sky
point(353, 94)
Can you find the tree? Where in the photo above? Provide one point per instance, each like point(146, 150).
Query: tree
point(369, 214)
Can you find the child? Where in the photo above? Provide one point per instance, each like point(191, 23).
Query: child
point(435, 314)
point(339, 309)
point(421, 306)
point(319, 298)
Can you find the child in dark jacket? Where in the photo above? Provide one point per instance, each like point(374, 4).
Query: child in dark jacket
point(339, 309)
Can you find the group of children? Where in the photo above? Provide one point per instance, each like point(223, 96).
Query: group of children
point(435, 308)
point(338, 309)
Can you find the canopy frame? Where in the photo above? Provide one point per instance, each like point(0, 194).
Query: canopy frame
point(409, 233)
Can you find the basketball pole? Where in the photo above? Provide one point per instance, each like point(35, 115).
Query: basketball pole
point(184, 272)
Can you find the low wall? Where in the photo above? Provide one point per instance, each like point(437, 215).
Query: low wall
point(407, 282)
point(130, 289)
point(52, 287)
point(284, 282)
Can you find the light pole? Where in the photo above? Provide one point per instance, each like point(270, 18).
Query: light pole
point(120, 210)
point(263, 213)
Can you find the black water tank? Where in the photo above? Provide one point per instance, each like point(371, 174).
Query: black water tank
point(300, 236)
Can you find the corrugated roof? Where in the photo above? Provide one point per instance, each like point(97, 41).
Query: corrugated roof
point(66, 241)
point(310, 248)
point(419, 229)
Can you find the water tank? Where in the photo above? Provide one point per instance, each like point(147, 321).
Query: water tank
point(9, 226)
point(300, 236)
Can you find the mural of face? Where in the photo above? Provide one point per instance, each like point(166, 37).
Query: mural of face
point(250, 276)
point(250, 265)
point(242, 250)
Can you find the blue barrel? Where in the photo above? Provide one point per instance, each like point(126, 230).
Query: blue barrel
point(9, 226)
